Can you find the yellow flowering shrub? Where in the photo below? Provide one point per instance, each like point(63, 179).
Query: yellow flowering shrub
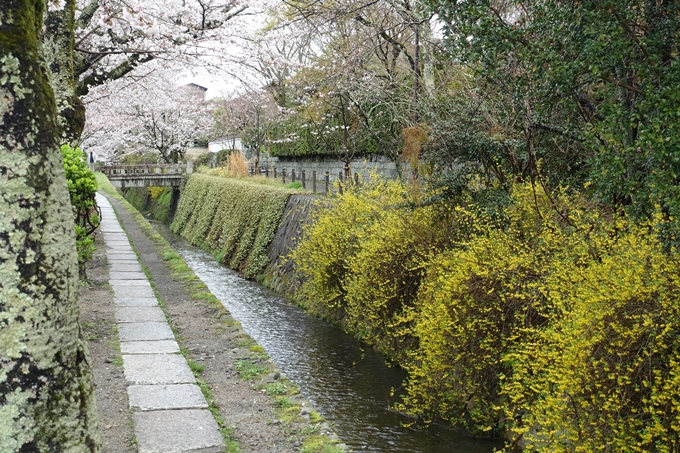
point(476, 304)
point(333, 235)
point(604, 374)
point(361, 260)
point(556, 327)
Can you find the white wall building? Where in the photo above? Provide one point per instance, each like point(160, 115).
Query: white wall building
point(225, 143)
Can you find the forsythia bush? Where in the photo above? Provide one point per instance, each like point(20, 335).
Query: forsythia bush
point(235, 219)
point(557, 328)
point(362, 260)
point(603, 374)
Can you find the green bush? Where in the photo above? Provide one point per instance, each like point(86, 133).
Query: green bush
point(361, 260)
point(82, 188)
point(234, 219)
point(154, 200)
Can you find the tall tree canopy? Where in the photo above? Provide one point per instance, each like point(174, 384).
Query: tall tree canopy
point(591, 83)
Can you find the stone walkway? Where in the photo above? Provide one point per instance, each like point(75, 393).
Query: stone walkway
point(169, 411)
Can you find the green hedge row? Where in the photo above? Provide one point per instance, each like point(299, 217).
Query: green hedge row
point(234, 219)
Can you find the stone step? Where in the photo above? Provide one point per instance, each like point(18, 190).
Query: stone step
point(156, 397)
point(149, 347)
point(145, 331)
point(153, 369)
point(179, 431)
point(140, 314)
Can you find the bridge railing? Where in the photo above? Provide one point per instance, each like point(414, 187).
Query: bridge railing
point(145, 170)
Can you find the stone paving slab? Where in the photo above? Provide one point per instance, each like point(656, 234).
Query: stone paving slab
point(122, 261)
point(119, 267)
point(117, 236)
point(130, 282)
point(121, 255)
point(125, 301)
point(127, 275)
point(180, 431)
point(119, 249)
point(114, 237)
point(130, 257)
point(152, 369)
point(155, 397)
point(133, 291)
point(149, 347)
point(140, 314)
point(145, 331)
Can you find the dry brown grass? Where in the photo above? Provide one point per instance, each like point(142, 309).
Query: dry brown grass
point(237, 165)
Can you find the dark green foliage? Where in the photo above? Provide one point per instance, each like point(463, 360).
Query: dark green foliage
point(204, 159)
point(583, 93)
point(82, 188)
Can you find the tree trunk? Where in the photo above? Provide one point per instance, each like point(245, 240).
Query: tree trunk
point(58, 45)
point(46, 391)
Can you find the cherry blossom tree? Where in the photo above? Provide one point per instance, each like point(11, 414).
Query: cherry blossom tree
point(153, 115)
point(92, 42)
point(248, 115)
point(365, 65)
point(114, 36)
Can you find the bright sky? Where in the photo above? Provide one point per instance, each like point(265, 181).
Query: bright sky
point(223, 83)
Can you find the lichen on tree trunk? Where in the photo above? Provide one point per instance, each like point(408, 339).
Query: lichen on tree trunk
point(58, 45)
point(46, 391)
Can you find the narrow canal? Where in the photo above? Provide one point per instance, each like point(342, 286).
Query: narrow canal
point(348, 384)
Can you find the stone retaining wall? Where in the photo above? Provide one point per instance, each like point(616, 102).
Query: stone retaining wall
point(379, 165)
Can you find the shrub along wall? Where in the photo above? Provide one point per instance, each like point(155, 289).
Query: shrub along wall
point(551, 324)
point(155, 200)
point(234, 219)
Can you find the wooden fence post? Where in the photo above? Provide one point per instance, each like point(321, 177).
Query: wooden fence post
point(274, 172)
point(356, 178)
point(292, 175)
point(314, 181)
point(304, 186)
point(328, 180)
point(283, 175)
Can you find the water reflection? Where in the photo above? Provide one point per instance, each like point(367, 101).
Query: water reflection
point(349, 385)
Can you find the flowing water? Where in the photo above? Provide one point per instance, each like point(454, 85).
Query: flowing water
point(348, 384)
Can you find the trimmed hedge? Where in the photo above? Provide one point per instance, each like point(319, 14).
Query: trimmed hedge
point(235, 220)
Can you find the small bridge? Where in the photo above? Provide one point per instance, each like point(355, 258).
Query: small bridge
point(162, 175)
